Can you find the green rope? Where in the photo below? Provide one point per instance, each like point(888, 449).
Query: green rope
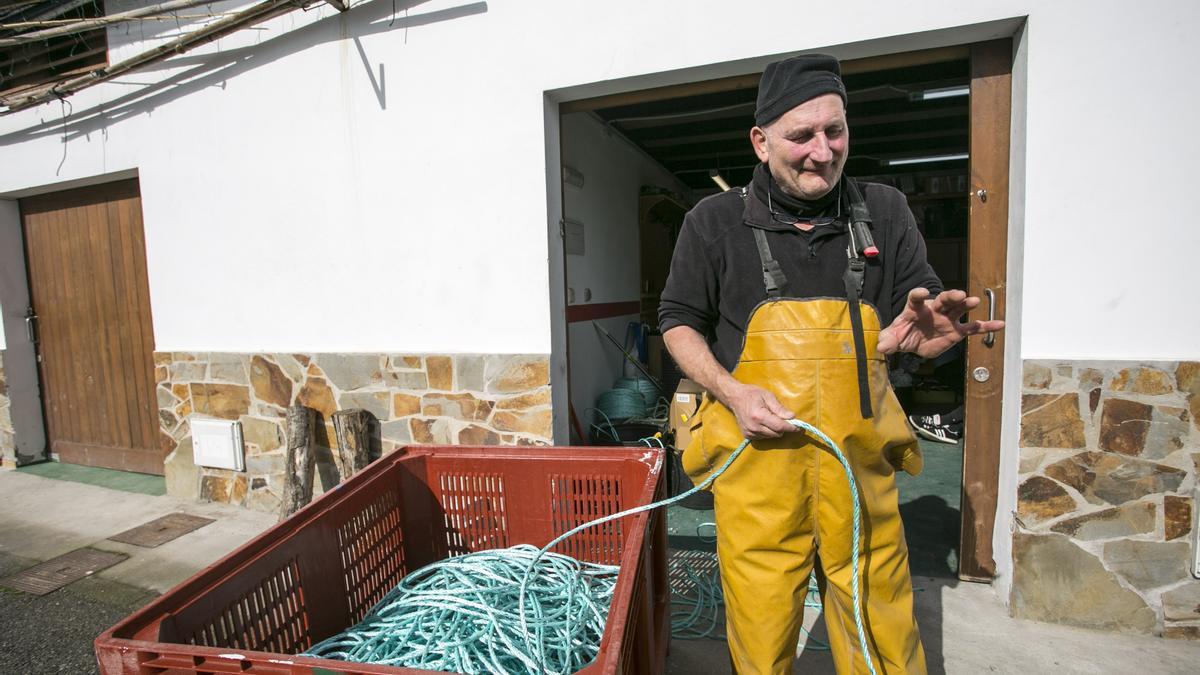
point(521, 609)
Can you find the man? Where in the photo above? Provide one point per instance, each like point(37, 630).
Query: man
point(775, 304)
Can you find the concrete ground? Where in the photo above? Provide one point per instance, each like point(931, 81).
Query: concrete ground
point(966, 629)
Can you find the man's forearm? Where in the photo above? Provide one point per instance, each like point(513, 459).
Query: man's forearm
point(691, 351)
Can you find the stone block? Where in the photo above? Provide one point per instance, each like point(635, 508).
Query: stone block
point(441, 372)
point(1090, 377)
point(228, 368)
point(1167, 433)
point(167, 420)
point(1031, 459)
point(1051, 421)
point(1148, 564)
point(1036, 376)
point(538, 397)
point(408, 379)
point(162, 358)
point(535, 422)
point(290, 366)
point(1177, 516)
point(265, 465)
point(378, 403)
point(1039, 498)
point(302, 359)
point(226, 401)
point(512, 374)
point(1184, 632)
point(1149, 381)
point(1183, 603)
point(266, 434)
point(188, 371)
point(1104, 478)
point(405, 404)
point(216, 488)
point(1124, 426)
point(1093, 400)
point(263, 500)
point(181, 472)
point(477, 435)
point(317, 395)
point(430, 431)
point(1057, 581)
point(1124, 521)
point(404, 362)
point(165, 398)
point(161, 374)
point(351, 371)
point(188, 356)
point(396, 431)
point(271, 384)
point(238, 489)
point(1187, 377)
point(459, 406)
point(470, 368)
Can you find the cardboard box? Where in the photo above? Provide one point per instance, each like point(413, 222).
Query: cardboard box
point(684, 404)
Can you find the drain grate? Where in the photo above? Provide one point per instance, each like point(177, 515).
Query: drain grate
point(58, 572)
point(161, 530)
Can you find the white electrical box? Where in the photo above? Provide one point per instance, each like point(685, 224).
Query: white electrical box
point(217, 443)
point(1196, 532)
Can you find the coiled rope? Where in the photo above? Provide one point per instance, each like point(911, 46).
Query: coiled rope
point(521, 609)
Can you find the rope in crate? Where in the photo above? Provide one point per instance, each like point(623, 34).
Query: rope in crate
point(520, 609)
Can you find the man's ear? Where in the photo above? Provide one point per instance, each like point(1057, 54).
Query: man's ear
point(758, 139)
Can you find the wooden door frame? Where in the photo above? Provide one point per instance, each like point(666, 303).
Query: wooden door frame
point(92, 453)
point(987, 259)
point(990, 121)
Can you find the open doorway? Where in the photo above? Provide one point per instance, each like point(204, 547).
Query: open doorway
point(916, 122)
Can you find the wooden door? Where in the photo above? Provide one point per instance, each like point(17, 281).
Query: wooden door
point(87, 273)
point(991, 103)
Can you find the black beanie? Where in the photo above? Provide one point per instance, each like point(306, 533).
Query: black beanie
point(788, 83)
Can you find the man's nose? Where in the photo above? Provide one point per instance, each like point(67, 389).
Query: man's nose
point(821, 153)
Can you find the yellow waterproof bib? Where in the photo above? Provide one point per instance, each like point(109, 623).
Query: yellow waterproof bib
point(786, 500)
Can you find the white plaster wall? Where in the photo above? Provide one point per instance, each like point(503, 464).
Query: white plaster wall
point(614, 172)
point(278, 168)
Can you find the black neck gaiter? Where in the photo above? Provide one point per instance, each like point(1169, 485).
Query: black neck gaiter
point(763, 184)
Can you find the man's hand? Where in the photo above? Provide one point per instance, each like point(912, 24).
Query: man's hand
point(759, 414)
point(929, 327)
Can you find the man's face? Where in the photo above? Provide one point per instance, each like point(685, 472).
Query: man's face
point(806, 147)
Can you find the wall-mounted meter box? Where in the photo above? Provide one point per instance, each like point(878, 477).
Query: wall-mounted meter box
point(217, 443)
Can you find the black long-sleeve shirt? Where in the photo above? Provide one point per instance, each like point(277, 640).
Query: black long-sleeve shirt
point(716, 277)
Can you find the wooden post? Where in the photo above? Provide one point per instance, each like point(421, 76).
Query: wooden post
point(298, 479)
point(354, 443)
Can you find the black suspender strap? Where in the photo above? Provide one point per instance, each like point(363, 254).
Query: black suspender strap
point(773, 276)
point(853, 278)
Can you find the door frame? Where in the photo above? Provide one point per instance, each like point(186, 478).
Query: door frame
point(991, 96)
point(90, 453)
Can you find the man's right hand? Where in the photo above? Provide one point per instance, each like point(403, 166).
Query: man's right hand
point(759, 414)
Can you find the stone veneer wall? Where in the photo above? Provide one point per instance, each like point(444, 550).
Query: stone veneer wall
point(437, 399)
point(1110, 453)
point(8, 445)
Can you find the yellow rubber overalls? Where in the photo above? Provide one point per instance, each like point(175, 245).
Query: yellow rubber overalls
point(786, 500)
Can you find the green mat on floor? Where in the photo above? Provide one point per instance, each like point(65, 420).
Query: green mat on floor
point(125, 481)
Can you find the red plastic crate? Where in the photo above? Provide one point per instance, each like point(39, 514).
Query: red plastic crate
point(318, 572)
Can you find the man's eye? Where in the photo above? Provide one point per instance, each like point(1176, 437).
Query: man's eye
point(834, 132)
point(803, 138)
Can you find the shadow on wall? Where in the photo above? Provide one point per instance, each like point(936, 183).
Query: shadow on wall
point(213, 70)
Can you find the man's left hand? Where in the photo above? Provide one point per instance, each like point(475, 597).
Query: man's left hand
point(927, 327)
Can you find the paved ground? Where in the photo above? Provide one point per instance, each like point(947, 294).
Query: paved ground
point(965, 627)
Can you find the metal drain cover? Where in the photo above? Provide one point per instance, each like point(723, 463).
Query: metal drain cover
point(58, 572)
point(161, 530)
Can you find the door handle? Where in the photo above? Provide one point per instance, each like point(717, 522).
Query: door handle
point(31, 325)
point(990, 338)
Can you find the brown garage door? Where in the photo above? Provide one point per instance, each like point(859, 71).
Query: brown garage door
point(87, 269)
